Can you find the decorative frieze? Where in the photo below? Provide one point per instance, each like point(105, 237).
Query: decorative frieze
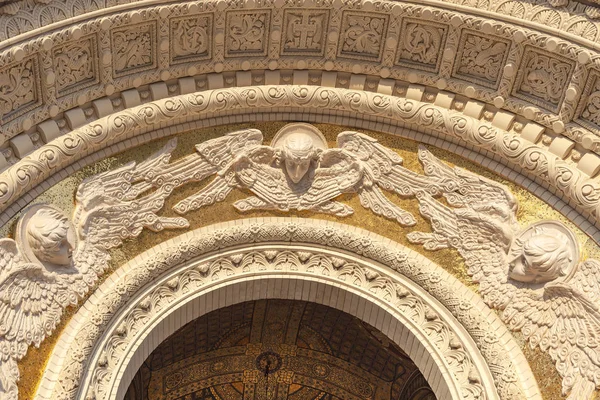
point(75, 65)
point(19, 89)
point(247, 33)
point(134, 48)
point(481, 58)
point(543, 78)
point(304, 32)
point(362, 35)
point(191, 38)
point(421, 44)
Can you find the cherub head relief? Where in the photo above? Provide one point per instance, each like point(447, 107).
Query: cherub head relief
point(300, 144)
point(48, 236)
point(543, 253)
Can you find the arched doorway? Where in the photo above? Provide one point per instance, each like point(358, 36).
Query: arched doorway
point(278, 349)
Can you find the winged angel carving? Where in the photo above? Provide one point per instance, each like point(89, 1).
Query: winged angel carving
point(52, 263)
point(299, 172)
point(533, 275)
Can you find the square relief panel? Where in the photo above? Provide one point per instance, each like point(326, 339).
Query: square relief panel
point(247, 33)
point(191, 38)
point(19, 89)
point(304, 32)
point(134, 48)
point(75, 65)
point(481, 58)
point(362, 35)
point(543, 78)
point(588, 112)
point(421, 44)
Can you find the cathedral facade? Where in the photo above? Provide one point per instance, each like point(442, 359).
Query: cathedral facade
point(304, 199)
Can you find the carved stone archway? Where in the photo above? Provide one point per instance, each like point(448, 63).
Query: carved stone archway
point(459, 344)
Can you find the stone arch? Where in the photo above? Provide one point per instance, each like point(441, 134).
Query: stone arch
point(467, 350)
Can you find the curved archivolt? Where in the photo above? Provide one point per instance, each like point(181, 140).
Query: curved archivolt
point(409, 298)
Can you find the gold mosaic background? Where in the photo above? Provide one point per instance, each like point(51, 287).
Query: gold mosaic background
point(531, 210)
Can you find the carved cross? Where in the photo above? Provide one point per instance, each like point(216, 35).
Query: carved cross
point(304, 28)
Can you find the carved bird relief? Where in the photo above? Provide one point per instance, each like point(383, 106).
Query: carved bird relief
point(299, 172)
point(533, 275)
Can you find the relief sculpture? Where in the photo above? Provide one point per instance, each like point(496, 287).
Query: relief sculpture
point(53, 263)
point(533, 275)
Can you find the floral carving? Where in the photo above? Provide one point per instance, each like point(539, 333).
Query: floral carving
point(304, 32)
point(247, 32)
point(191, 38)
point(133, 48)
point(75, 65)
point(481, 58)
point(362, 35)
point(19, 89)
point(421, 44)
point(543, 78)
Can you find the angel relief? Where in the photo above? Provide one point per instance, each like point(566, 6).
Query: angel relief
point(532, 275)
point(299, 172)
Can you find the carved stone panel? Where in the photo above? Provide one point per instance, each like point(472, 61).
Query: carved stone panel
point(191, 38)
point(134, 48)
point(304, 32)
point(589, 108)
point(362, 35)
point(481, 58)
point(75, 65)
point(543, 78)
point(421, 44)
point(247, 33)
point(19, 89)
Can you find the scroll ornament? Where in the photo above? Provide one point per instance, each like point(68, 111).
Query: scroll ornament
point(533, 276)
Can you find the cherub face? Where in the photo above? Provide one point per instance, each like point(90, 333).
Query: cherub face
point(48, 236)
point(298, 153)
point(544, 257)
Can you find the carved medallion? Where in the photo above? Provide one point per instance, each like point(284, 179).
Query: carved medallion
point(75, 65)
point(304, 32)
point(481, 58)
point(421, 44)
point(191, 38)
point(134, 48)
point(19, 89)
point(543, 78)
point(362, 35)
point(247, 33)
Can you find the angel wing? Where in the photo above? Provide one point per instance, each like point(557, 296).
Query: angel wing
point(564, 321)
point(382, 168)
point(479, 238)
point(32, 301)
point(463, 189)
point(217, 155)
